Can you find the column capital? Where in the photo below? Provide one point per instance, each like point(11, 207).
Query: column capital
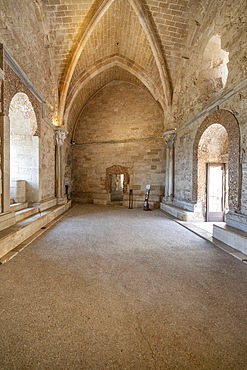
point(169, 136)
point(60, 136)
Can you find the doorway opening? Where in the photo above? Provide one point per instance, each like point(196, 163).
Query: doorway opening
point(215, 192)
point(117, 181)
point(117, 185)
point(24, 151)
point(213, 174)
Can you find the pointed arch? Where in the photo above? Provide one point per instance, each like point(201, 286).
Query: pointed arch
point(86, 32)
point(101, 67)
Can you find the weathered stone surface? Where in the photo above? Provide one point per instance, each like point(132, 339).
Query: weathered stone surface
point(121, 126)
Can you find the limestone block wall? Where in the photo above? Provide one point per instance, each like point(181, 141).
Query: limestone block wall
point(238, 105)
point(25, 33)
point(196, 88)
point(232, 115)
point(144, 162)
point(122, 125)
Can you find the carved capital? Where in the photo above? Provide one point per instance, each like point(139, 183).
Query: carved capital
point(169, 137)
point(60, 136)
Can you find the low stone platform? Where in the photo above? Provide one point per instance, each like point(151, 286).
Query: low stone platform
point(179, 213)
point(235, 238)
point(29, 222)
point(206, 229)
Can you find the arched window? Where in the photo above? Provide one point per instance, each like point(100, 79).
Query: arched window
point(24, 150)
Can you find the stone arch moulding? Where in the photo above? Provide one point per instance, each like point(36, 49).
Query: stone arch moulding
point(227, 120)
point(112, 62)
point(13, 85)
point(117, 170)
point(103, 66)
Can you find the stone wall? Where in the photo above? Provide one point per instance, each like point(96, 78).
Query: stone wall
point(196, 89)
point(42, 132)
point(231, 114)
point(122, 125)
point(25, 33)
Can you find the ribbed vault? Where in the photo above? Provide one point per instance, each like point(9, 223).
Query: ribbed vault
point(144, 38)
point(107, 27)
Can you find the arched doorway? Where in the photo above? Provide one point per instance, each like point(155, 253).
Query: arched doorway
point(213, 173)
point(117, 179)
point(24, 151)
point(224, 126)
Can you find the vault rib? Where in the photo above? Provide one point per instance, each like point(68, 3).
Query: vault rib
point(115, 60)
point(84, 37)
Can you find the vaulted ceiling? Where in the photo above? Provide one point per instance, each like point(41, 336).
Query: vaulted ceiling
point(98, 41)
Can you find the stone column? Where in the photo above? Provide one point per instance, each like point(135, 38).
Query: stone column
point(5, 162)
point(169, 137)
point(60, 136)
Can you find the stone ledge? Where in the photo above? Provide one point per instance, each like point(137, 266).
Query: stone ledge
point(235, 238)
point(237, 221)
point(7, 220)
point(45, 204)
point(25, 213)
point(15, 235)
point(18, 206)
point(177, 212)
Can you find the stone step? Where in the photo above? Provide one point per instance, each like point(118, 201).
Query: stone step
point(25, 213)
point(18, 206)
point(236, 239)
point(177, 212)
point(17, 234)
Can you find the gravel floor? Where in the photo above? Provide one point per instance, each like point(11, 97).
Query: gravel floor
point(113, 288)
